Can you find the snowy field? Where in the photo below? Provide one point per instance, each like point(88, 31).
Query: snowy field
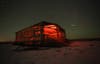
point(78, 52)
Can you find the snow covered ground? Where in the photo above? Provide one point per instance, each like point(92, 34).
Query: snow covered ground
point(78, 52)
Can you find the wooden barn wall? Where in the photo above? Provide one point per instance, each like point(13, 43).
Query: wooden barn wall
point(33, 33)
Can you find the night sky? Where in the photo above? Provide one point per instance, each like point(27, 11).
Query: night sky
point(80, 18)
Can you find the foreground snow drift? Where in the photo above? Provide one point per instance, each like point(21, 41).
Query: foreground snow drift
point(78, 52)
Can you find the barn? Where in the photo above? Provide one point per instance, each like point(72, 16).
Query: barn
point(42, 34)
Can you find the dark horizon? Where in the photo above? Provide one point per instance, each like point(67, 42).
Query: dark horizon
point(84, 39)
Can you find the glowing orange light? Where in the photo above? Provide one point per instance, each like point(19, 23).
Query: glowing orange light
point(50, 31)
point(50, 26)
point(34, 33)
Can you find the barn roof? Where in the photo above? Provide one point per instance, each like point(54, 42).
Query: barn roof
point(48, 23)
point(43, 23)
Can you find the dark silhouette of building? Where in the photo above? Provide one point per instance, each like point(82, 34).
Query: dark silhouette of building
point(43, 34)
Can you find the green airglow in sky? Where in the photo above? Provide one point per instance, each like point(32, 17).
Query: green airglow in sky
point(80, 18)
